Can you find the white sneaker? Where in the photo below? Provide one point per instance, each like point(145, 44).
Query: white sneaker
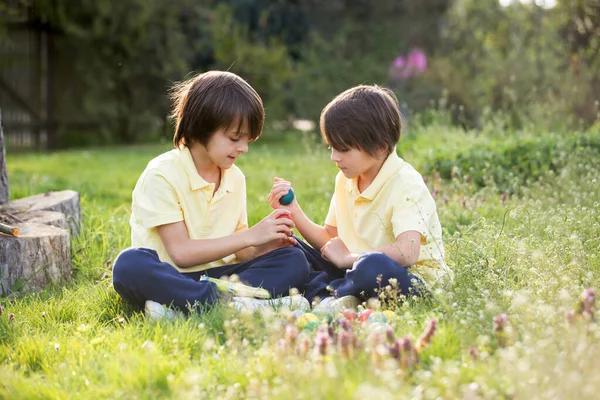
point(334, 306)
point(156, 311)
point(296, 302)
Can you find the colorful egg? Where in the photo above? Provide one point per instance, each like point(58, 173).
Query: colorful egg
point(365, 314)
point(305, 319)
point(324, 315)
point(312, 325)
point(350, 315)
point(288, 198)
point(377, 317)
point(390, 315)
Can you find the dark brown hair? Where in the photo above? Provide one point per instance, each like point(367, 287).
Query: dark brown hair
point(365, 118)
point(211, 101)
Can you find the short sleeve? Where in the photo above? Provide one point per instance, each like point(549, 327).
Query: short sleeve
point(413, 212)
point(242, 223)
point(155, 201)
point(330, 219)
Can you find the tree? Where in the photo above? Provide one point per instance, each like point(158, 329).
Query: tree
point(4, 192)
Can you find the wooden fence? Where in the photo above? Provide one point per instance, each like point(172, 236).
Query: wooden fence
point(26, 85)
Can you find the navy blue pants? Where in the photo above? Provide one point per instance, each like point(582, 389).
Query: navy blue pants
point(362, 282)
point(139, 275)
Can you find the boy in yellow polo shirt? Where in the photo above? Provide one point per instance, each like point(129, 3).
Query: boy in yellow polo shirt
point(382, 221)
point(188, 215)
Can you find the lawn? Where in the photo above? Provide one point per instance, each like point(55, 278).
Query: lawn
point(523, 238)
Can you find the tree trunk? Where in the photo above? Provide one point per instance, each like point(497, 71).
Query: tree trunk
point(39, 256)
point(65, 201)
point(4, 192)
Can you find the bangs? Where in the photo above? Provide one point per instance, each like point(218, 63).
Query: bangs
point(243, 110)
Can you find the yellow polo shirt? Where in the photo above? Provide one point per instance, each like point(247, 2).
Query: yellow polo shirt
point(171, 190)
point(397, 201)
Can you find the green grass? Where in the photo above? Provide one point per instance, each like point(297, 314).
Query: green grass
point(530, 256)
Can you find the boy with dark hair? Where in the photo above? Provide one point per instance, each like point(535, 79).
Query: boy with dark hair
point(188, 215)
point(382, 222)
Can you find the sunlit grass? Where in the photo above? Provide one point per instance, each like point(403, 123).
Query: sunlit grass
point(529, 255)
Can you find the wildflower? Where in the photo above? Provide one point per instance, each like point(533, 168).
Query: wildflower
point(291, 336)
point(503, 198)
point(344, 345)
point(43, 314)
point(389, 335)
point(473, 353)
point(395, 350)
point(56, 347)
point(321, 344)
point(588, 299)
point(345, 324)
point(1, 310)
point(427, 335)
point(11, 317)
point(500, 322)
point(570, 318)
point(410, 355)
point(304, 346)
point(121, 320)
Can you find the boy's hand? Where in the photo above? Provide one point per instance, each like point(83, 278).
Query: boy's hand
point(272, 228)
point(336, 252)
point(274, 245)
point(280, 188)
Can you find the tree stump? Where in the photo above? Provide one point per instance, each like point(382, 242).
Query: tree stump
point(65, 202)
point(36, 248)
point(41, 254)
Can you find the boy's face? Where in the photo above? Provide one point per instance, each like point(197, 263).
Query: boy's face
point(353, 162)
point(227, 144)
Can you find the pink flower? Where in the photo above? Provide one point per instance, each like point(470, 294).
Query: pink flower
point(411, 65)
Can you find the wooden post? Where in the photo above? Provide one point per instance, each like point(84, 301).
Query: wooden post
point(4, 192)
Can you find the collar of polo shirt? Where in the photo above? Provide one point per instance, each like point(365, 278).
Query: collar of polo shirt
point(392, 164)
point(196, 181)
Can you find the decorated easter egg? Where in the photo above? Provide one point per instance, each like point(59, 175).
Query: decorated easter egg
point(390, 315)
point(305, 319)
point(312, 325)
point(365, 314)
point(350, 315)
point(324, 316)
point(288, 198)
point(377, 317)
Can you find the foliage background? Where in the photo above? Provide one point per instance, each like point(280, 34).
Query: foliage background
point(116, 59)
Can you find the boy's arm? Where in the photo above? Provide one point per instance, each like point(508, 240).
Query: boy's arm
point(405, 251)
point(314, 234)
point(186, 252)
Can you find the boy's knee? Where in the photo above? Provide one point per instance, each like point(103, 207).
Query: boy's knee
point(297, 266)
point(378, 260)
point(127, 263)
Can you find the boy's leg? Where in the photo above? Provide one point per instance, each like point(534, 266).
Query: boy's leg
point(322, 272)
point(277, 271)
point(363, 280)
point(318, 263)
point(139, 275)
